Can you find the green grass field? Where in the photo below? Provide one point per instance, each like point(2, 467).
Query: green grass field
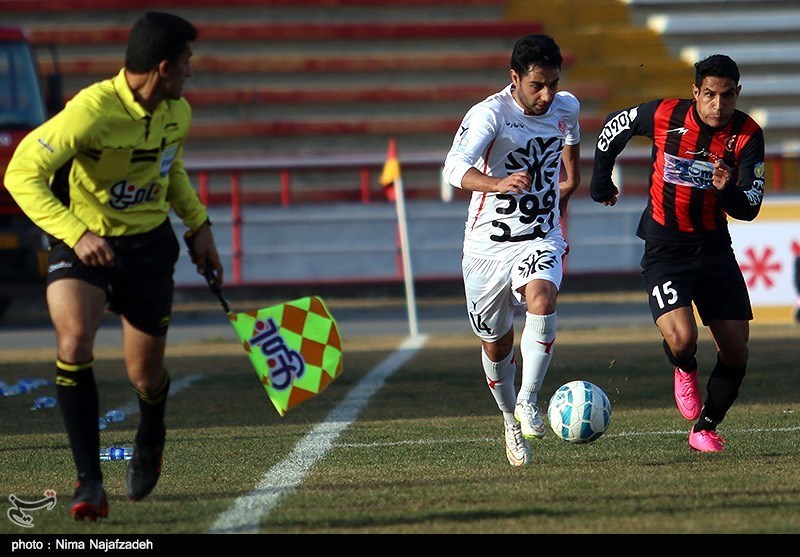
point(425, 453)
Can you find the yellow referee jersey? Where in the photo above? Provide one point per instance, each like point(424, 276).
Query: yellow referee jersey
point(126, 171)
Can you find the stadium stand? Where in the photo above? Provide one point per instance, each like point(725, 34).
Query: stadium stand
point(762, 36)
point(317, 77)
point(311, 77)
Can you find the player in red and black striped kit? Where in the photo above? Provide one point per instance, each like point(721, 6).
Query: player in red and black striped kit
point(707, 164)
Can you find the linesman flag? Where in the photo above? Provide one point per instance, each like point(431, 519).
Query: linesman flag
point(391, 171)
point(294, 347)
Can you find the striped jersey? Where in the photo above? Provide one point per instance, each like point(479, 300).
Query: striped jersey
point(497, 138)
point(683, 207)
point(124, 166)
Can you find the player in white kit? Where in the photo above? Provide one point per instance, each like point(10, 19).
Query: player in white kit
point(512, 151)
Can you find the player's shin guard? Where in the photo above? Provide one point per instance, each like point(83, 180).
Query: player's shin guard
point(151, 430)
point(723, 389)
point(500, 377)
point(536, 345)
point(76, 392)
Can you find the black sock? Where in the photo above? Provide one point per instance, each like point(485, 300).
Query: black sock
point(723, 389)
point(686, 364)
point(77, 397)
point(152, 430)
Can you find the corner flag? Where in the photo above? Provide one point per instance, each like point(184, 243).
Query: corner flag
point(391, 171)
point(392, 183)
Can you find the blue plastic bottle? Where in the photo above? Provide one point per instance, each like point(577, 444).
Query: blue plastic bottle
point(116, 453)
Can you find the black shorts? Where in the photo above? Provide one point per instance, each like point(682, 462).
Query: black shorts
point(709, 276)
point(139, 286)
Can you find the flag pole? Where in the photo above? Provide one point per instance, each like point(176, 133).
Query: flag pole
point(408, 275)
point(391, 179)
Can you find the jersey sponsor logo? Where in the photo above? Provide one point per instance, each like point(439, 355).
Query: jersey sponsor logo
point(679, 131)
point(539, 260)
point(166, 159)
point(688, 172)
point(756, 193)
point(704, 153)
point(616, 126)
point(124, 195)
point(534, 211)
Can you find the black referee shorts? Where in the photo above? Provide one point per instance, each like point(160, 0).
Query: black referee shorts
point(139, 286)
point(708, 276)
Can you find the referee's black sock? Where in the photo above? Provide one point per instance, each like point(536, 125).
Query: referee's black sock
point(77, 397)
point(152, 430)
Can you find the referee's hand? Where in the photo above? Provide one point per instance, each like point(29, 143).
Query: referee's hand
point(94, 251)
point(203, 252)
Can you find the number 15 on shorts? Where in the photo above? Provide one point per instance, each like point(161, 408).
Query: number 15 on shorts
point(664, 294)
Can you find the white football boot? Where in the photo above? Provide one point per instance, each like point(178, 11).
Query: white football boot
point(518, 449)
point(530, 419)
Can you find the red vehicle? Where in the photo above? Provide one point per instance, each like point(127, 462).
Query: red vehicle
point(23, 106)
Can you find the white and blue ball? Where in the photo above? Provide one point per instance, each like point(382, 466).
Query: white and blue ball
point(579, 412)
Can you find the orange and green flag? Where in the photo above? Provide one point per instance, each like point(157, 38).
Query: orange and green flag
point(295, 348)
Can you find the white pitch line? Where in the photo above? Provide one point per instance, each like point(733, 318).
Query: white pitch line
point(498, 440)
point(245, 514)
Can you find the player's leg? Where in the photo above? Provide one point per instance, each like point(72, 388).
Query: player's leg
point(500, 368)
point(724, 306)
point(537, 275)
point(669, 275)
point(492, 320)
point(500, 376)
point(726, 378)
point(537, 345)
point(679, 329)
point(76, 309)
point(491, 317)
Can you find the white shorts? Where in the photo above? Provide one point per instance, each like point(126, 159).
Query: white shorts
point(493, 287)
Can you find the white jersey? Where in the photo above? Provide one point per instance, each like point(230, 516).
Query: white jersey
point(497, 138)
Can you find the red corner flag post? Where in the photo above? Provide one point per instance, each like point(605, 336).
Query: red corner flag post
point(392, 182)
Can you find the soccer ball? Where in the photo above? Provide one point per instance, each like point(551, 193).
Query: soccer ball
point(579, 412)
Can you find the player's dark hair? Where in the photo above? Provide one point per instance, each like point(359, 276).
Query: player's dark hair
point(535, 51)
point(716, 65)
point(157, 36)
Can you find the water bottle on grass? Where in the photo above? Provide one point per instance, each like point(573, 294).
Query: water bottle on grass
point(116, 453)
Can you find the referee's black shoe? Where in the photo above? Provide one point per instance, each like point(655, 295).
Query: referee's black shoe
point(143, 471)
point(89, 501)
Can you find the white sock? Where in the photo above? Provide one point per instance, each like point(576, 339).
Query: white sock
point(536, 345)
point(500, 377)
